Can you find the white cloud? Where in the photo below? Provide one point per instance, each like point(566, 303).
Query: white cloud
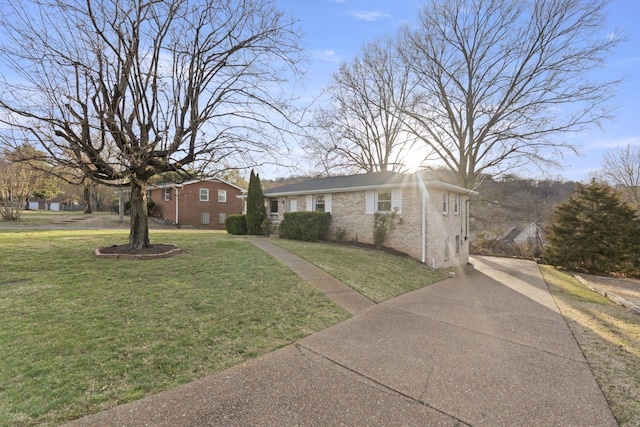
point(602, 143)
point(327, 55)
point(369, 15)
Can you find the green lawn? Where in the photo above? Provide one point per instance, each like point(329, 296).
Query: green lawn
point(81, 334)
point(375, 274)
point(30, 218)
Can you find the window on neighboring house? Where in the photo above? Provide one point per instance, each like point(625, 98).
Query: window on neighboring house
point(166, 196)
point(384, 201)
point(204, 195)
point(445, 203)
point(273, 206)
point(457, 246)
point(222, 196)
point(222, 217)
point(318, 203)
point(446, 248)
point(456, 204)
point(205, 217)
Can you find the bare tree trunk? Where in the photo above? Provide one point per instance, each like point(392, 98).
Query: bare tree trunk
point(139, 229)
point(87, 197)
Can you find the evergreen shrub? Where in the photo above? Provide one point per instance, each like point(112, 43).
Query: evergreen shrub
point(306, 226)
point(236, 224)
point(595, 232)
point(256, 210)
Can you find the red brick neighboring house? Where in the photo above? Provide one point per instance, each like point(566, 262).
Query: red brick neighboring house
point(199, 204)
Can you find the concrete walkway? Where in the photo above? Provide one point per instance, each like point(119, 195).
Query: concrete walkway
point(486, 347)
point(335, 290)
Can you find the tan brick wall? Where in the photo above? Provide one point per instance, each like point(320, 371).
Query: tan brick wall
point(349, 214)
point(441, 227)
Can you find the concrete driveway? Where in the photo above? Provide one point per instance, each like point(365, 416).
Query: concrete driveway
point(486, 347)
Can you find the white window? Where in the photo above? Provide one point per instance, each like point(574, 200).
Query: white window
point(222, 217)
point(222, 196)
point(456, 204)
point(293, 205)
point(318, 203)
point(166, 194)
point(384, 201)
point(204, 195)
point(445, 203)
point(205, 217)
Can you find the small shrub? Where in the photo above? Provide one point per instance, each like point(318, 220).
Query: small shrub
point(236, 224)
point(151, 208)
point(266, 226)
point(341, 234)
point(383, 226)
point(307, 226)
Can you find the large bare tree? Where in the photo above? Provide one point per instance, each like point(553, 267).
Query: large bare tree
point(361, 128)
point(621, 166)
point(127, 89)
point(498, 82)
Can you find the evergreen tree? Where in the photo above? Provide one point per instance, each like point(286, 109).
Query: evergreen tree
point(595, 232)
point(256, 210)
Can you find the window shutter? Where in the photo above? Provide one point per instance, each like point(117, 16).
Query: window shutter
point(309, 206)
point(370, 202)
point(396, 199)
point(327, 202)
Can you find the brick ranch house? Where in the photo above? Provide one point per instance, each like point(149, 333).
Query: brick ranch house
point(435, 215)
point(199, 203)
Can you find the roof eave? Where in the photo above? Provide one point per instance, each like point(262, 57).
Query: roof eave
point(335, 190)
point(431, 183)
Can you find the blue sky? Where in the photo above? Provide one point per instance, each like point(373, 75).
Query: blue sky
point(335, 31)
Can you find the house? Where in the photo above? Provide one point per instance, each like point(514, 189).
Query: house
point(200, 203)
point(531, 234)
point(435, 214)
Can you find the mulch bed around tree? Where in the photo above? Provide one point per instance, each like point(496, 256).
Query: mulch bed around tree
point(126, 252)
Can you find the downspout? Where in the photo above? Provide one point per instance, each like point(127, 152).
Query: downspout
point(423, 223)
point(177, 206)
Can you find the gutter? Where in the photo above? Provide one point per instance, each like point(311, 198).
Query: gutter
point(177, 196)
point(423, 222)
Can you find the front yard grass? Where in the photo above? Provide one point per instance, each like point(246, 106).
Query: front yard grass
point(609, 337)
point(375, 274)
point(81, 334)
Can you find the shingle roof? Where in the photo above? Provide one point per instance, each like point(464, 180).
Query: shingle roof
point(374, 179)
point(194, 181)
point(352, 183)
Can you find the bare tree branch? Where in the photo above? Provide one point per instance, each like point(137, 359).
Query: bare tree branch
point(362, 128)
point(498, 81)
point(124, 90)
point(622, 167)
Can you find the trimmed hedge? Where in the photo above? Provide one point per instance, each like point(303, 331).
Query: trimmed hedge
point(307, 226)
point(236, 224)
